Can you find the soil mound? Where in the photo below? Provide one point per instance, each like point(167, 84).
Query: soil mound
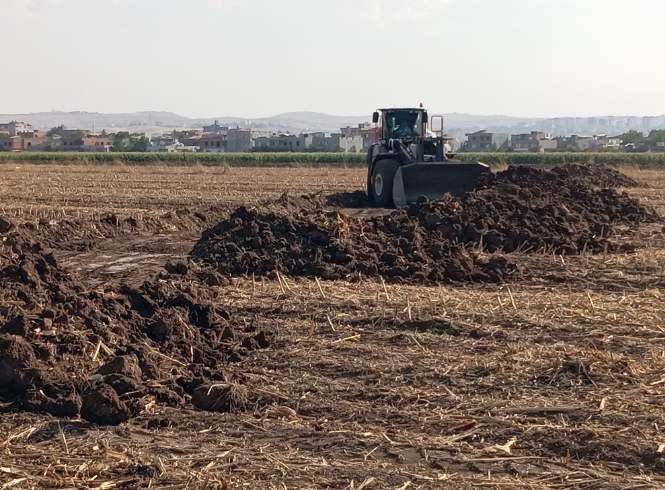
point(521, 209)
point(594, 175)
point(332, 246)
point(67, 350)
point(588, 175)
point(530, 209)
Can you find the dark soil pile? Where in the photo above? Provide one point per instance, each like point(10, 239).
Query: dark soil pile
point(533, 210)
point(105, 355)
point(332, 245)
point(594, 175)
point(587, 175)
point(429, 242)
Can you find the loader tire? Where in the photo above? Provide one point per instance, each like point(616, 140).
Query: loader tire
point(381, 183)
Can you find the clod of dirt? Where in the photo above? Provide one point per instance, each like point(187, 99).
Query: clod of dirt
point(159, 330)
point(214, 279)
point(123, 384)
point(19, 369)
point(140, 302)
point(261, 340)
point(62, 406)
point(17, 325)
point(227, 334)
point(125, 365)
point(177, 268)
point(49, 313)
point(5, 225)
point(219, 397)
point(102, 406)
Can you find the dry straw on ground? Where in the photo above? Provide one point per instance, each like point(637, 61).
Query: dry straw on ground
point(554, 381)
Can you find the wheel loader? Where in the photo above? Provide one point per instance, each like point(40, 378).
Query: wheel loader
point(410, 160)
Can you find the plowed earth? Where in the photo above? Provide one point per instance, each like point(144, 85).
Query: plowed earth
point(524, 209)
point(516, 339)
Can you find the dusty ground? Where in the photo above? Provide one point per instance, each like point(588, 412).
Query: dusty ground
point(554, 380)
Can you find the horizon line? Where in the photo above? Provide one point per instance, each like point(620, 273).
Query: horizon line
point(53, 111)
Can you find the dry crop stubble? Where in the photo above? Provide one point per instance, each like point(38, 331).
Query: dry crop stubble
point(551, 381)
point(77, 190)
point(427, 388)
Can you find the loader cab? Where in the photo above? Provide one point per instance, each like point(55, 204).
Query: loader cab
point(401, 123)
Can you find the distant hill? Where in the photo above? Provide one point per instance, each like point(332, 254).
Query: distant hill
point(290, 121)
point(86, 120)
point(156, 122)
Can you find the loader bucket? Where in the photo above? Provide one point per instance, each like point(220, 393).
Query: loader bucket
point(433, 180)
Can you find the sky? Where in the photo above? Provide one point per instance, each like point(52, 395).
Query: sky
point(257, 58)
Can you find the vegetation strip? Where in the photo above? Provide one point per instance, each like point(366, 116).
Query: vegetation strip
point(350, 159)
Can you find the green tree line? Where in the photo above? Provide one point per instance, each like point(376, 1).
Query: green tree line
point(639, 138)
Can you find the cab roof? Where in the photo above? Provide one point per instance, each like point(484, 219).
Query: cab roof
point(419, 109)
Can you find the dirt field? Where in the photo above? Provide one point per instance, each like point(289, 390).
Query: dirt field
point(552, 378)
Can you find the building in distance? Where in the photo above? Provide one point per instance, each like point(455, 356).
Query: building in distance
point(486, 141)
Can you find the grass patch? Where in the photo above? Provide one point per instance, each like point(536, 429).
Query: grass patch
point(318, 159)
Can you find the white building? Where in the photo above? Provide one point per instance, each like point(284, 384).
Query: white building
point(352, 144)
point(163, 145)
point(15, 128)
